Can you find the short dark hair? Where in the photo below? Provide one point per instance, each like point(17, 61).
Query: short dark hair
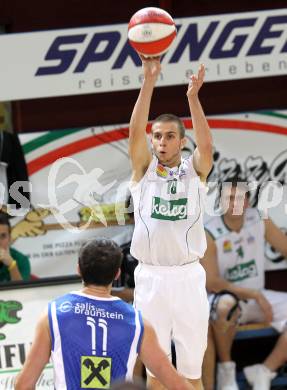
point(4, 219)
point(99, 261)
point(171, 118)
point(236, 181)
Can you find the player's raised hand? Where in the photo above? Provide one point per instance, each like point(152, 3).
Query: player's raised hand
point(196, 82)
point(151, 67)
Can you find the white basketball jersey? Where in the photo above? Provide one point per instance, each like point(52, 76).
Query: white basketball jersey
point(240, 255)
point(168, 208)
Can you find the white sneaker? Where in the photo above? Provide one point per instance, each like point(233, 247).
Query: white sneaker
point(259, 376)
point(226, 378)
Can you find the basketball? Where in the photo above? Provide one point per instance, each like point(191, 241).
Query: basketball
point(151, 31)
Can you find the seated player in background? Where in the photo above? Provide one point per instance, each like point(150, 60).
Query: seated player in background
point(93, 337)
point(234, 261)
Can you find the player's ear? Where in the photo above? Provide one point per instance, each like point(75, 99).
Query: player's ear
point(150, 140)
point(118, 274)
point(78, 270)
point(183, 142)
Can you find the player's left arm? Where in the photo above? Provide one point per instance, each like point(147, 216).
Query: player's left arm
point(203, 154)
point(37, 357)
point(275, 237)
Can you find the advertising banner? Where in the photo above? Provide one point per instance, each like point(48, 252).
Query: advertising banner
point(100, 58)
point(80, 181)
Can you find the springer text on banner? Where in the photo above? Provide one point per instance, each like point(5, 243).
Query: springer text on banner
point(100, 59)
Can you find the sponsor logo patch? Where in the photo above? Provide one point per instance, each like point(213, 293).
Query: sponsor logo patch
point(227, 247)
point(95, 372)
point(241, 271)
point(172, 210)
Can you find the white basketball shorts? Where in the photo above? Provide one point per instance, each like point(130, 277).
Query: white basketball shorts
point(174, 300)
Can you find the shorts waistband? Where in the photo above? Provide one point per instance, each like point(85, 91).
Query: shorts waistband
point(169, 268)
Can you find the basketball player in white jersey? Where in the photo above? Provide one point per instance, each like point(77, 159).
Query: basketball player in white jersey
point(94, 338)
point(169, 237)
point(234, 261)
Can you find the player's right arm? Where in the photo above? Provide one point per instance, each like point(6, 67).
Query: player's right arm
point(139, 151)
point(216, 283)
point(154, 358)
point(37, 357)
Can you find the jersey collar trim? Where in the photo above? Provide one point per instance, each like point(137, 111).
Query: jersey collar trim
point(95, 297)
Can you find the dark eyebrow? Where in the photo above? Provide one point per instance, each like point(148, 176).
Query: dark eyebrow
point(168, 132)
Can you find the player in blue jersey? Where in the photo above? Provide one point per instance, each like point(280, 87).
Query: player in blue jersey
point(92, 337)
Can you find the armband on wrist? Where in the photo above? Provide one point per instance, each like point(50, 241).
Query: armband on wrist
point(12, 265)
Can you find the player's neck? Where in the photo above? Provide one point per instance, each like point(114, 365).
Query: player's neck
point(97, 291)
point(233, 222)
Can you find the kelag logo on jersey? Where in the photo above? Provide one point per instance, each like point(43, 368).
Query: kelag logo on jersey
point(241, 271)
point(172, 210)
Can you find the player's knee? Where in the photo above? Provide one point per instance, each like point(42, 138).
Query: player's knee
point(225, 313)
point(224, 307)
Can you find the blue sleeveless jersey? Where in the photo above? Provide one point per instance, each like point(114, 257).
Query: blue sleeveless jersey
point(95, 341)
